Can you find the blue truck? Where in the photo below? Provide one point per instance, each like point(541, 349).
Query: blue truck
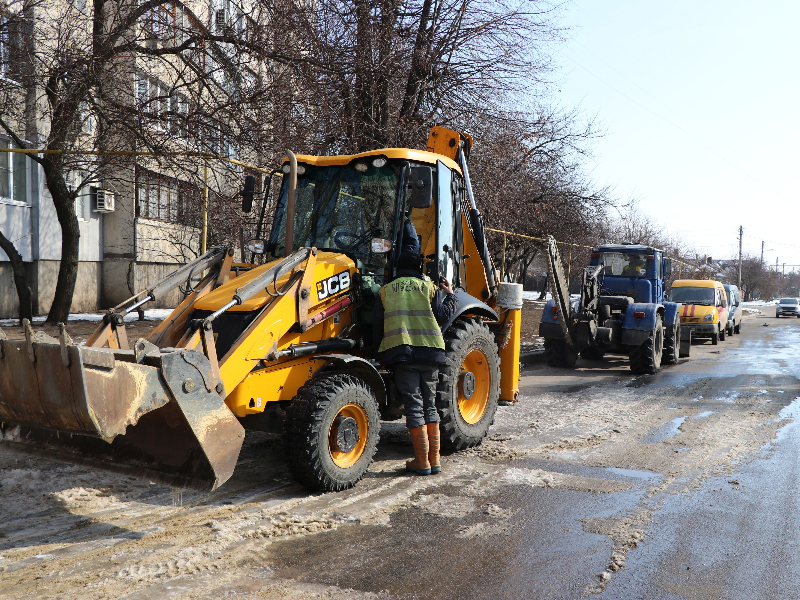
point(621, 310)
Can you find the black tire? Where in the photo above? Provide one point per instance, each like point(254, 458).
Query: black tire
point(723, 333)
point(737, 329)
point(559, 354)
point(646, 359)
point(672, 341)
point(715, 338)
point(309, 432)
point(593, 353)
point(466, 421)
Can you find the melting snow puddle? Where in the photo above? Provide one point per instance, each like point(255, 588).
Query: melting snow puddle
point(666, 431)
point(633, 473)
point(697, 399)
point(792, 411)
point(704, 414)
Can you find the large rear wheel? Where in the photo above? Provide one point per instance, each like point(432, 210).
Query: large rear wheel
point(469, 384)
point(559, 353)
point(331, 432)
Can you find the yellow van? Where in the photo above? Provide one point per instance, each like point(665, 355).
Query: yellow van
point(704, 307)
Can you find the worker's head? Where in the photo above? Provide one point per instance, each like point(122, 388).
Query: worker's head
point(409, 261)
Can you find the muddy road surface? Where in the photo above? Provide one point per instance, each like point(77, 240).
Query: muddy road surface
point(597, 483)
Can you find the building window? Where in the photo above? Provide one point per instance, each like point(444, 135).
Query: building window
point(166, 109)
point(159, 22)
point(11, 47)
point(13, 175)
point(164, 198)
point(78, 182)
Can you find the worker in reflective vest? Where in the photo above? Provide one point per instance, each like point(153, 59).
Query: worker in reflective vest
point(408, 313)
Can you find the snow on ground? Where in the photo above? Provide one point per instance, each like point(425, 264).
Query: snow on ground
point(154, 314)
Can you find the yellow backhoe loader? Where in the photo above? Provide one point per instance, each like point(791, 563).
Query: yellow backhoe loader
point(284, 343)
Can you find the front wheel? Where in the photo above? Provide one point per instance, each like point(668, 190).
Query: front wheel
point(715, 338)
point(469, 384)
point(331, 432)
point(646, 358)
point(722, 333)
point(671, 343)
point(558, 353)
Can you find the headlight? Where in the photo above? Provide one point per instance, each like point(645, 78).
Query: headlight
point(709, 317)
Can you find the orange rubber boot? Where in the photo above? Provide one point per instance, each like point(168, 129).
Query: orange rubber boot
point(434, 445)
point(420, 465)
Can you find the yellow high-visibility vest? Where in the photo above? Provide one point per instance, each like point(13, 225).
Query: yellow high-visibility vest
point(408, 318)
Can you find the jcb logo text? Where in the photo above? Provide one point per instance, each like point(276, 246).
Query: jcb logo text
point(333, 285)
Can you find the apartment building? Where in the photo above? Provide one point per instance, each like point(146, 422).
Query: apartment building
point(138, 215)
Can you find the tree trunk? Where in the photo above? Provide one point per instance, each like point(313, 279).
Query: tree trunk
point(20, 279)
point(64, 202)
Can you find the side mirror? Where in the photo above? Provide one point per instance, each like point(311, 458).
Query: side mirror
point(380, 245)
point(256, 246)
point(667, 267)
point(247, 193)
point(421, 187)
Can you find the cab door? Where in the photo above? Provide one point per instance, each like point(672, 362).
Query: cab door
point(445, 225)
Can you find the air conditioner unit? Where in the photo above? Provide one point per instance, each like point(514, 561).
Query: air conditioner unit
point(105, 201)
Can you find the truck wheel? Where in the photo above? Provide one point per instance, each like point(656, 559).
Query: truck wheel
point(331, 432)
point(715, 338)
point(723, 333)
point(671, 342)
point(469, 384)
point(558, 353)
point(593, 353)
point(737, 328)
point(646, 359)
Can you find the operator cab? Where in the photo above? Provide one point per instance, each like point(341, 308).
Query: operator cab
point(632, 270)
point(358, 206)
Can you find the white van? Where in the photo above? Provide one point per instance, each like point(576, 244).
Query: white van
point(734, 309)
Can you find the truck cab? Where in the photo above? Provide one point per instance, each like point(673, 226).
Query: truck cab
point(632, 270)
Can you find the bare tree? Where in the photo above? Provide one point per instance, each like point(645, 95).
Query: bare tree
point(151, 76)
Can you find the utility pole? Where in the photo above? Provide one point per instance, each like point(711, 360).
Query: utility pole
point(762, 253)
point(741, 232)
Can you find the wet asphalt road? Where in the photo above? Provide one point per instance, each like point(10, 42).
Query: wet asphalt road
point(597, 484)
point(738, 537)
point(732, 536)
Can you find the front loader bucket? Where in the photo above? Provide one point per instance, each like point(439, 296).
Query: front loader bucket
point(143, 412)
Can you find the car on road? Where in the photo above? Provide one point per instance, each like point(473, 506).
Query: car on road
point(704, 307)
point(787, 307)
point(734, 308)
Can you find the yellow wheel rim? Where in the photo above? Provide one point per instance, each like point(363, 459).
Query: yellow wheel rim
point(473, 408)
point(349, 458)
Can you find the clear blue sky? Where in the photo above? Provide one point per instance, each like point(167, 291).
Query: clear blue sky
point(699, 102)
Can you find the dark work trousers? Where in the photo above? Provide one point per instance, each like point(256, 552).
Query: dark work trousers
point(416, 383)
